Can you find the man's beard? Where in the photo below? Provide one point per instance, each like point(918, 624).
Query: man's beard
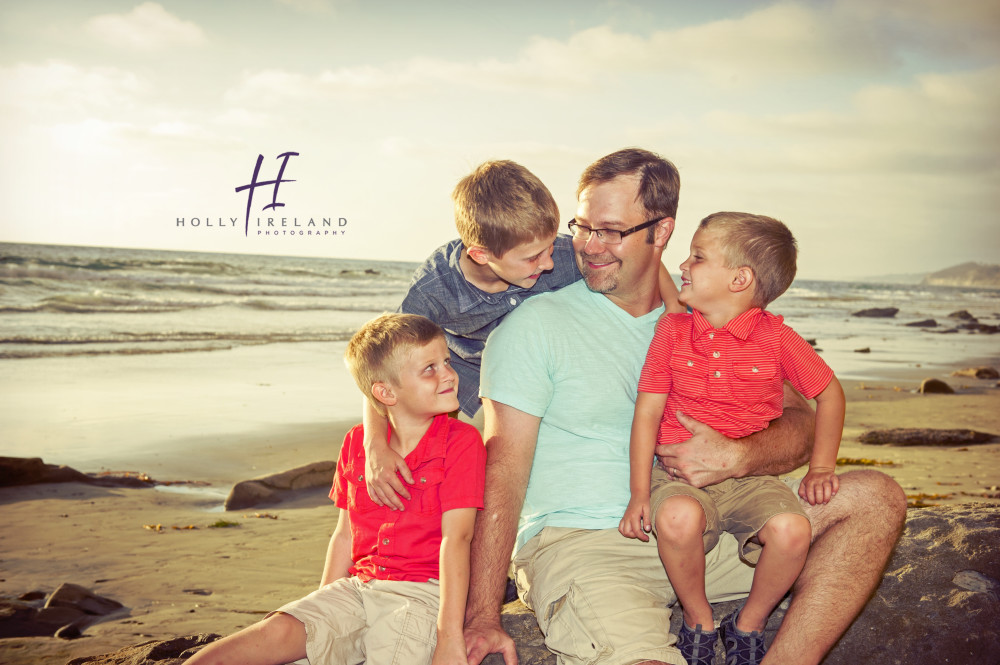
point(604, 280)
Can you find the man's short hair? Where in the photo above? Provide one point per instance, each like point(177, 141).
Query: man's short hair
point(501, 205)
point(376, 351)
point(659, 181)
point(761, 243)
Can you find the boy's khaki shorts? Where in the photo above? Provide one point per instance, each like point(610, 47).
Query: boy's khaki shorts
point(349, 621)
point(602, 598)
point(740, 506)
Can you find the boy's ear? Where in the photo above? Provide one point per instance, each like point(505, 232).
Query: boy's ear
point(743, 279)
point(383, 393)
point(480, 255)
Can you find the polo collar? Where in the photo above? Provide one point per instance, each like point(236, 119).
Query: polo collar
point(740, 327)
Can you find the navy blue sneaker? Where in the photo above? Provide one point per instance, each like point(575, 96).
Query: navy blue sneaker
point(741, 648)
point(696, 645)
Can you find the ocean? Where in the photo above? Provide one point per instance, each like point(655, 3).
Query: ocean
point(61, 301)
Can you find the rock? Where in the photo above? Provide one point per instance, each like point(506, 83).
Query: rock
point(936, 386)
point(65, 613)
point(276, 487)
point(77, 597)
point(31, 470)
point(903, 436)
point(978, 372)
point(877, 312)
point(926, 323)
point(962, 314)
point(863, 350)
point(937, 603)
point(167, 652)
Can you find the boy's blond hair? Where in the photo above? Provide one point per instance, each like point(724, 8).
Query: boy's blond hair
point(376, 351)
point(763, 244)
point(501, 205)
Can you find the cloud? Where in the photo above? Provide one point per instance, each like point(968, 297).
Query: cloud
point(148, 27)
point(59, 87)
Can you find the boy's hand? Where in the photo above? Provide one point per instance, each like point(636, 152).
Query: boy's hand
point(635, 523)
point(383, 466)
point(819, 485)
point(450, 650)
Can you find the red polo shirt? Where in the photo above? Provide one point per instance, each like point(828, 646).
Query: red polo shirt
point(729, 378)
point(449, 470)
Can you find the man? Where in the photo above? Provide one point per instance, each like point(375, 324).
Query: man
point(559, 384)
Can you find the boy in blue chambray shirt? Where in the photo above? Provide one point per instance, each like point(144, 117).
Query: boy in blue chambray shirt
point(508, 250)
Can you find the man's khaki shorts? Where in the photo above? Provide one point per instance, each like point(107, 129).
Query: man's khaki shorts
point(600, 597)
point(741, 506)
point(349, 621)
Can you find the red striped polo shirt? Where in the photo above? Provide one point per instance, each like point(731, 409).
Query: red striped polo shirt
point(729, 378)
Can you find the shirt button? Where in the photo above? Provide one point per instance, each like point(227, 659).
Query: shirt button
point(361, 479)
point(381, 568)
point(690, 363)
point(711, 335)
point(513, 301)
point(385, 541)
point(423, 480)
point(718, 374)
point(715, 354)
point(754, 370)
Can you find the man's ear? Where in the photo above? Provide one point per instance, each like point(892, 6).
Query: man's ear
point(383, 393)
point(664, 229)
point(743, 279)
point(480, 255)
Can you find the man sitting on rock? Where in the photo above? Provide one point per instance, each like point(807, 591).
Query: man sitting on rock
point(559, 386)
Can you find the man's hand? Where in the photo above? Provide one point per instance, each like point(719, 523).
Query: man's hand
point(383, 466)
point(636, 522)
point(707, 458)
point(482, 639)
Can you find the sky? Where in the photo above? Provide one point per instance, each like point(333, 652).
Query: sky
point(869, 127)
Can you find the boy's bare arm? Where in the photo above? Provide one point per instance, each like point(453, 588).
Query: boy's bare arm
point(338, 552)
point(382, 463)
point(708, 457)
point(456, 534)
point(642, 442)
point(510, 437)
point(668, 292)
point(821, 482)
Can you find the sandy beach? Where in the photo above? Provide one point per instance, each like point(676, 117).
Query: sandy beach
point(250, 416)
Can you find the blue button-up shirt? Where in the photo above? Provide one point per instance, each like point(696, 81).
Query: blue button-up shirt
point(468, 314)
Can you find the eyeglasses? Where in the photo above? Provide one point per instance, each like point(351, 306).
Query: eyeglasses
point(606, 236)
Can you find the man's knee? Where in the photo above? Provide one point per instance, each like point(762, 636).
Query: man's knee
point(865, 495)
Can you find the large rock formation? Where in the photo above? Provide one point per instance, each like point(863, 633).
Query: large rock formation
point(939, 602)
point(978, 275)
point(277, 487)
point(65, 613)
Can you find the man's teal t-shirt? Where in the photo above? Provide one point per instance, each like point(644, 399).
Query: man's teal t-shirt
point(573, 358)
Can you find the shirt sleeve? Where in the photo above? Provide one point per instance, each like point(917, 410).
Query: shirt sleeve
point(656, 376)
point(339, 490)
point(417, 302)
point(801, 365)
point(465, 469)
point(516, 361)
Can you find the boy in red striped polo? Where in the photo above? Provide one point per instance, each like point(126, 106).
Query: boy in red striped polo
point(724, 364)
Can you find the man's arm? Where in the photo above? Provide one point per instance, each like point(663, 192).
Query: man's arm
point(510, 437)
point(708, 458)
point(338, 552)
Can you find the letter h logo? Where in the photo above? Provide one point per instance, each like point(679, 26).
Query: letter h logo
point(255, 184)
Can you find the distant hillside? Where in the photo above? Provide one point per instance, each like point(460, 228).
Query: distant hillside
point(979, 275)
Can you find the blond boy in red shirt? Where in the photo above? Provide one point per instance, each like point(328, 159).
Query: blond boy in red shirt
point(395, 583)
point(724, 365)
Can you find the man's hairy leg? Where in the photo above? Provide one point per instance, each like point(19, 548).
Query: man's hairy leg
point(853, 537)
